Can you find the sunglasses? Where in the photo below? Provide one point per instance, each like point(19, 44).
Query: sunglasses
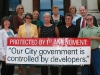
point(67, 19)
point(89, 19)
point(20, 8)
point(28, 18)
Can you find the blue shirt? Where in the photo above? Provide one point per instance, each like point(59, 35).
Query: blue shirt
point(75, 18)
point(9, 33)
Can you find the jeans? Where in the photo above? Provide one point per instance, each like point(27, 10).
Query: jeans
point(95, 60)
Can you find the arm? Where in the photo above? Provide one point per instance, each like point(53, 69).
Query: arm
point(57, 31)
point(19, 32)
point(39, 31)
point(95, 38)
point(36, 31)
point(63, 20)
point(95, 22)
point(80, 34)
point(15, 23)
point(2, 51)
point(77, 27)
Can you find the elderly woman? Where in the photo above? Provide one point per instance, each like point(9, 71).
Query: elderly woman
point(68, 31)
point(36, 19)
point(18, 19)
point(5, 33)
point(28, 30)
point(57, 19)
point(73, 10)
point(48, 31)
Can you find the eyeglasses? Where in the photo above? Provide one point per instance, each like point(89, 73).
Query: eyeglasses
point(67, 19)
point(89, 19)
point(20, 8)
point(28, 18)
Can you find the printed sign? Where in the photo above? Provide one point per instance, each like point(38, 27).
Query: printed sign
point(48, 51)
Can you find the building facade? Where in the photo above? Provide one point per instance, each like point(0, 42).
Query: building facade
point(7, 7)
point(31, 5)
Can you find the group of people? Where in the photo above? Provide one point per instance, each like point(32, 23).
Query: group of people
point(73, 25)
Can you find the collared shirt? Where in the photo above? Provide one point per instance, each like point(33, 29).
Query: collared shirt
point(87, 32)
point(75, 18)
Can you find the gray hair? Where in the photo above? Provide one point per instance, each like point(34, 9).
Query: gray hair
point(47, 13)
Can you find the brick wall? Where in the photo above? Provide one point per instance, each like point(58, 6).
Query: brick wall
point(36, 5)
point(67, 5)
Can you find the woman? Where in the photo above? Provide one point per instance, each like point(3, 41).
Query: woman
point(68, 31)
point(18, 19)
point(73, 10)
point(28, 30)
point(36, 19)
point(57, 19)
point(48, 31)
point(5, 33)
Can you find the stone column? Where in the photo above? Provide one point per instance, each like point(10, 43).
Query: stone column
point(28, 6)
point(76, 3)
point(92, 5)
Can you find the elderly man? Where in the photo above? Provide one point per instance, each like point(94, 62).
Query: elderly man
point(81, 23)
point(92, 32)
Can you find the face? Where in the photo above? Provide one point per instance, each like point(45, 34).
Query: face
point(68, 20)
point(6, 23)
point(28, 19)
point(47, 18)
point(35, 15)
point(83, 11)
point(20, 9)
point(72, 10)
point(89, 20)
point(55, 11)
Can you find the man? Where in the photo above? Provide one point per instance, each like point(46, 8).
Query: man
point(81, 23)
point(92, 32)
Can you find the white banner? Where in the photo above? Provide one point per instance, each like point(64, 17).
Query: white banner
point(51, 55)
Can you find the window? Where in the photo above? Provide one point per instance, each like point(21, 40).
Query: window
point(12, 5)
point(46, 6)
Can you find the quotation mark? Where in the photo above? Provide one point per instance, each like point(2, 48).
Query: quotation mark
point(87, 56)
